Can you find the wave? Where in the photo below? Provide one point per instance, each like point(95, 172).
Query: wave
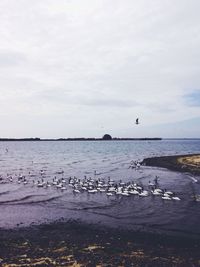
point(4, 193)
point(90, 208)
point(114, 169)
point(20, 201)
point(94, 207)
point(107, 215)
point(116, 162)
point(193, 179)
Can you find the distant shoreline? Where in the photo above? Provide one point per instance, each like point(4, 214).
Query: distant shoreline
point(182, 163)
point(80, 139)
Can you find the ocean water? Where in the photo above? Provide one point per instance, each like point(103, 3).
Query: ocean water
point(25, 204)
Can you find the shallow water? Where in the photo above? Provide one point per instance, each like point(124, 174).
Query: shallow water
point(25, 204)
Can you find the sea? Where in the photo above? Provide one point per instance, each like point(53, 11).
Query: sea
point(25, 204)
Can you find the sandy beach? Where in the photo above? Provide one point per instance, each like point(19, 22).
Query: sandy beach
point(190, 161)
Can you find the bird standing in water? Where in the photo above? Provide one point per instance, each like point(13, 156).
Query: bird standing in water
point(137, 121)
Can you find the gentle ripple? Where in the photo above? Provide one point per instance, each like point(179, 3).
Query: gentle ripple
point(26, 204)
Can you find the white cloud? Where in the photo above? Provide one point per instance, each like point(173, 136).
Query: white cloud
point(93, 64)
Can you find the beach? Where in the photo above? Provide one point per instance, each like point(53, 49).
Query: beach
point(77, 244)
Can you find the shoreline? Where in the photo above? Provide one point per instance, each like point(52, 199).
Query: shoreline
point(77, 244)
point(181, 163)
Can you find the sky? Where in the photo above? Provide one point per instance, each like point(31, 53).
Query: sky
point(83, 68)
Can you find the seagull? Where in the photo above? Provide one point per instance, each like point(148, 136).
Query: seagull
point(137, 121)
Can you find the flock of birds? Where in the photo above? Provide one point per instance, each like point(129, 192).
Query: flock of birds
point(111, 188)
point(95, 185)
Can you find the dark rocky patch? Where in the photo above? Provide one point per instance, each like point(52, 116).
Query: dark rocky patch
point(77, 244)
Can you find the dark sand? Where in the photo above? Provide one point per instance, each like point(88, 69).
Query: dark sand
point(76, 244)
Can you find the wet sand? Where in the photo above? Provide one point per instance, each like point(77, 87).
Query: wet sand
point(182, 163)
point(77, 244)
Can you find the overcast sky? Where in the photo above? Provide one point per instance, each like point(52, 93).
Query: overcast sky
point(73, 68)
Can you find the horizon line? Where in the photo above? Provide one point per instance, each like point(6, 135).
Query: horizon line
point(78, 139)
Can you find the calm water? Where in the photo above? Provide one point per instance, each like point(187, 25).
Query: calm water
point(25, 204)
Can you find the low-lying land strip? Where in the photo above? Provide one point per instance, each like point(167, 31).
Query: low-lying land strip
point(183, 163)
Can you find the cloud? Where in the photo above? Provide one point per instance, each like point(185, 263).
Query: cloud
point(94, 62)
point(193, 99)
point(10, 58)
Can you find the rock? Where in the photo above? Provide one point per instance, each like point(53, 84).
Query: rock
point(107, 137)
